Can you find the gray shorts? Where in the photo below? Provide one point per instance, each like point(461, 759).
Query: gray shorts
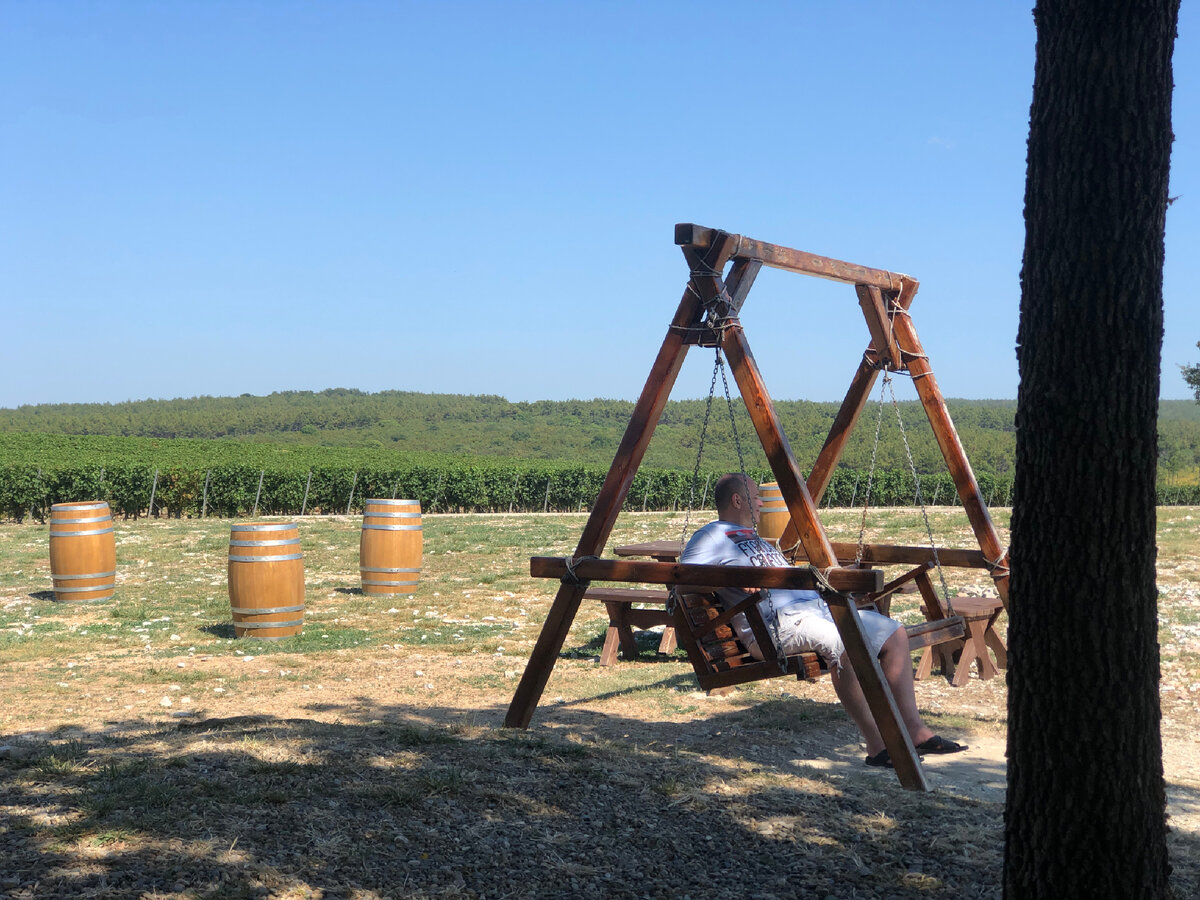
point(810, 626)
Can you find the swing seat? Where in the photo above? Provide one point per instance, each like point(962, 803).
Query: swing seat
point(720, 660)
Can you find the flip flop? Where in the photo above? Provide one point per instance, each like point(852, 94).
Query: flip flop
point(938, 744)
point(882, 758)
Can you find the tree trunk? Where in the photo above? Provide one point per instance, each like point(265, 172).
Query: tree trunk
point(1086, 802)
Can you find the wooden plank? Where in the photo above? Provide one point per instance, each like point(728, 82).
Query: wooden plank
point(626, 595)
point(650, 572)
point(874, 554)
point(896, 554)
point(777, 257)
point(926, 634)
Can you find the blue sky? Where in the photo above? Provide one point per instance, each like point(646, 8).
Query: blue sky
point(467, 197)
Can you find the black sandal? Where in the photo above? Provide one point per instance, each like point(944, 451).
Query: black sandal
point(882, 759)
point(938, 745)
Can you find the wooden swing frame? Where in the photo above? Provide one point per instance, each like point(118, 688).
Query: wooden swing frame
point(707, 315)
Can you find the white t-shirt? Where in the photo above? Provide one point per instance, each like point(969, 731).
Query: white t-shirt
point(723, 543)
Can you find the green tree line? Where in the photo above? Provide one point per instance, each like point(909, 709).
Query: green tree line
point(301, 451)
point(578, 430)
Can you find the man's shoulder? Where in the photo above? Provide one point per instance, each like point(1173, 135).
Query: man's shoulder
point(725, 530)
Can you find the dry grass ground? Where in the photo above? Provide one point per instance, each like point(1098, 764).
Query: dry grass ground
point(149, 754)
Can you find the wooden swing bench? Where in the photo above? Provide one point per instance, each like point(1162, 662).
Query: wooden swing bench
point(702, 625)
point(722, 268)
point(721, 660)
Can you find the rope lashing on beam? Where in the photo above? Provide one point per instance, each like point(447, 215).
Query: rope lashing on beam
point(570, 577)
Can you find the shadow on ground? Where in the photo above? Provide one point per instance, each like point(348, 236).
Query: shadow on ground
point(400, 801)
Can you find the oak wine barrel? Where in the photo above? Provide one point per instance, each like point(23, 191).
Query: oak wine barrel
point(266, 580)
point(389, 551)
point(83, 551)
point(773, 517)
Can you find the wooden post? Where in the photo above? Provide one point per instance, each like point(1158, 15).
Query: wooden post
point(258, 494)
point(350, 499)
point(204, 499)
point(307, 484)
point(952, 449)
point(646, 413)
point(153, 489)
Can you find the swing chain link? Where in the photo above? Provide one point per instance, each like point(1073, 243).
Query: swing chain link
point(862, 528)
point(920, 501)
point(712, 388)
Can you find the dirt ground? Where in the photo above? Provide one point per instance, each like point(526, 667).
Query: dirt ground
point(382, 769)
point(771, 770)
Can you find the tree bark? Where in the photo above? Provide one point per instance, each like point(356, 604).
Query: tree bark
point(1086, 803)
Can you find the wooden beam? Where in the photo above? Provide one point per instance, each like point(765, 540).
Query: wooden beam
point(779, 452)
point(790, 260)
point(870, 298)
point(843, 426)
point(896, 554)
point(643, 571)
point(952, 449)
point(646, 413)
point(878, 694)
point(740, 280)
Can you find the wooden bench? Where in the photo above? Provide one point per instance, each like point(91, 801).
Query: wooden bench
point(980, 615)
point(721, 661)
point(624, 617)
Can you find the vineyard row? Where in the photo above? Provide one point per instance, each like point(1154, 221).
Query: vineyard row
point(470, 486)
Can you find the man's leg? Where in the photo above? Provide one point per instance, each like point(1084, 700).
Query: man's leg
point(896, 663)
point(849, 691)
point(818, 632)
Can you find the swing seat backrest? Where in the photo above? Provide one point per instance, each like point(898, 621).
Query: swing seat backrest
point(719, 659)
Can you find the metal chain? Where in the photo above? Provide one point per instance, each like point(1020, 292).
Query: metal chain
point(924, 513)
point(772, 618)
point(712, 389)
point(862, 528)
point(736, 441)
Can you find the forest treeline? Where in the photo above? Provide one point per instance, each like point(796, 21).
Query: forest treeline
point(579, 431)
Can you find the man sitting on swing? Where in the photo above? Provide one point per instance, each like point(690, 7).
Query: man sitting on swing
point(801, 621)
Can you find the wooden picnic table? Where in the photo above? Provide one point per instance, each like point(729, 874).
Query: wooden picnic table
point(624, 617)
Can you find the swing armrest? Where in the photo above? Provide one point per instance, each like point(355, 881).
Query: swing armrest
point(882, 599)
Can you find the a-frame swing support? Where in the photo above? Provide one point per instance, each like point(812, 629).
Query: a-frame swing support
point(707, 314)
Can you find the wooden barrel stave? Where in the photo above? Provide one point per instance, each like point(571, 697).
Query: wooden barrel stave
point(773, 516)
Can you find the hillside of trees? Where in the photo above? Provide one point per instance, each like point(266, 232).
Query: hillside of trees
point(580, 431)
